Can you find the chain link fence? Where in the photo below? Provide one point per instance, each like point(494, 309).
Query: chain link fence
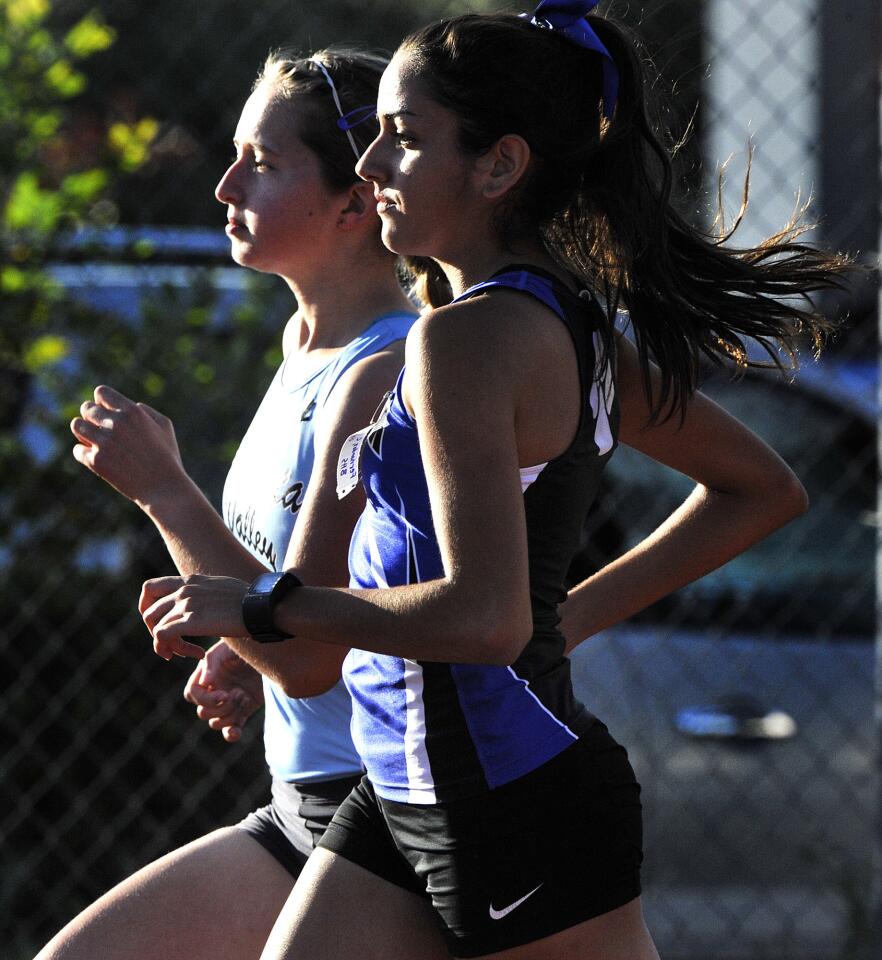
point(746, 700)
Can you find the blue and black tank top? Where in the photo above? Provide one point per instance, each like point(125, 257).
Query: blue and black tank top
point(429, 732)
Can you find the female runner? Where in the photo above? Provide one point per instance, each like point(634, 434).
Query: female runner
point(498, 817)
point(295, 209)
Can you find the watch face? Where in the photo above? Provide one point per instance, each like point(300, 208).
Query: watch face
point(257, 605)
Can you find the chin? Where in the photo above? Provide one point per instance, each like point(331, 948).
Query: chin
point(245, 256)
point(397, 242)
point(390, 238)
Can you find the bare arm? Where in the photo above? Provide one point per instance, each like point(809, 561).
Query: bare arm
point(462, 384)
point(133, 448)
point(743, 492)
point(465, 389)
point(319, 551)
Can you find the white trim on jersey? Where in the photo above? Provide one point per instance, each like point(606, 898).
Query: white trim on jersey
point(376, 558)
point(409, 544)
point(601, 405)
point(421, 786)
point(542, 706)
point(529, 475)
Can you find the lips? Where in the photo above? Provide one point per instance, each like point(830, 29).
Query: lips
point(384, 202)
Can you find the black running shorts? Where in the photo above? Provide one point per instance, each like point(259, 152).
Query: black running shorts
point(291, 826)
point(543, 853)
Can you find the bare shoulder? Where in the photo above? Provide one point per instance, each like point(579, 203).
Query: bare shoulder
point(498, 330)
point(380, 368)
point(360, 389)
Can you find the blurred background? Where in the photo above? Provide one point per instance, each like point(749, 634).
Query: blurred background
point(746, 700)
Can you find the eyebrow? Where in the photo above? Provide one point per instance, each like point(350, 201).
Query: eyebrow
point(398, 113)
point(262, 147)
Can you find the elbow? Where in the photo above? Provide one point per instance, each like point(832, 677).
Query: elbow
point(311, 677)
point(503, 640)
point(491, 623)
point(792, 498)
point(302, 688)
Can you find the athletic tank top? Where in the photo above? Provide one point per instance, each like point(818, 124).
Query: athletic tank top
point(431, 732)
point(305, 740)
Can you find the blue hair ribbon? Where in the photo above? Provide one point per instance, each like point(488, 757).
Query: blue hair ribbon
point(567, 17)
point(359, 115)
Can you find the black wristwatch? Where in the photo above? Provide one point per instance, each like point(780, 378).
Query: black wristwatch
point(260, 601)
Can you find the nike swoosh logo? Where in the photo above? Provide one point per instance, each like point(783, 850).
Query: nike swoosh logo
point(505, 911)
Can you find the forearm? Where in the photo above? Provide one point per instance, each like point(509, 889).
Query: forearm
point(200, 542)
point(706, 531)
point(196, 537)
point(434, 621)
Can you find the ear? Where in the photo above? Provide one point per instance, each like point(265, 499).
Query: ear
point(358, 206)
point(503, 166)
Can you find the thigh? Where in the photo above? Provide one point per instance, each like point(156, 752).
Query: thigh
point(533, 858)
point(213, 899)
point(339, 910)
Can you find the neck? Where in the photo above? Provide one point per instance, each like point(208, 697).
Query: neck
point(477, 266)
point(341, 300)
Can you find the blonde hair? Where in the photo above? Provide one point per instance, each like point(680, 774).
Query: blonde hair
point(356, 76)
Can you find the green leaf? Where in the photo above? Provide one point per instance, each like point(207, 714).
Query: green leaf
point(132, 142)
point(45, 124)
point(84, 186)
point(143, 248)
point(154, 384)
point(203, 373)
point(272, 357)
point(14, 280)
point(22, 13)
point(64, 80)
point(31, 208)
point(45, 351)
point(89, 36)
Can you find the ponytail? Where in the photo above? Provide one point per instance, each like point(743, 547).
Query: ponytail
point(689, 294)
point(428, 284)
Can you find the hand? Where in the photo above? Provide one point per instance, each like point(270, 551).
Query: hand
point(226, 691)
point(130, 445)
point(175, 608)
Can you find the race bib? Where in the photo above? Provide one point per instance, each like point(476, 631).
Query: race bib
point(349, 461)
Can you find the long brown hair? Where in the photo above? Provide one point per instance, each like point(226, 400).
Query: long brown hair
point(598, 195)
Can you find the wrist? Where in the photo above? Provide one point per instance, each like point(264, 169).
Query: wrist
point(176, 493)
point(260, 601)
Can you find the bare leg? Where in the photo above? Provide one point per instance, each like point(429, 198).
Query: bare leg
point(620, 934)
point(213, 899)
point(340, 911)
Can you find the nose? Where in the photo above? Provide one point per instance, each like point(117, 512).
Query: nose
point(368, 166)
point(228, 190)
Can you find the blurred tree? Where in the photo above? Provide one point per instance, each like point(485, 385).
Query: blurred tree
point(74, 659)
point(43, 188)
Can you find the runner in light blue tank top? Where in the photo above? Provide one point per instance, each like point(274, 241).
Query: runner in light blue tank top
point(306, 740)
point(293, 208)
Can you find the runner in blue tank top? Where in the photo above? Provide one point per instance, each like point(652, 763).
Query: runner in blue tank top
point(498, 817)
point(431, 732)
point(295, 209)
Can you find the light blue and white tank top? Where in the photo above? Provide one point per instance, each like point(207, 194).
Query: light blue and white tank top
point(305, 740)
point(430, 732)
